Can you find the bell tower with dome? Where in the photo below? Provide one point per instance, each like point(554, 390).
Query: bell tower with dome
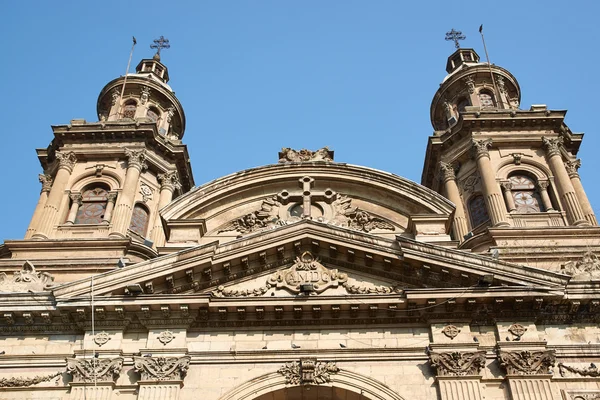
point(105, 182)
point(511, 173)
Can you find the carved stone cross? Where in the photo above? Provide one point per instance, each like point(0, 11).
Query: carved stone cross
point(307, 195)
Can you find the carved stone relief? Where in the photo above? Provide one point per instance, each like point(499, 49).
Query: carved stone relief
point(591, 371)
point(585, 269)
point(583, 395)
point(355, 218)
point(146, 192)
point(265, 218)
point(94, 369)
point(470, 184)
point(457, 363)
point(101, 338)
point(25, 280)
point(24, 382)
point(517, 330)
point(161, 368)
point(451, 331)
point(289, 155)
point(166, 337)
point(527, 362)
point(308, 371)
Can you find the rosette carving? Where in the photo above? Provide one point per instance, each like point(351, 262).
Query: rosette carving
point(457, 363)
point(94, 369)
point(527, 362)
point(161, 368)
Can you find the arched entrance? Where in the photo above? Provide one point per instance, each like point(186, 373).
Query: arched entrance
point(311, 392)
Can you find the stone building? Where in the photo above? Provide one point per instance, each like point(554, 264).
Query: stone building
point(307, 278)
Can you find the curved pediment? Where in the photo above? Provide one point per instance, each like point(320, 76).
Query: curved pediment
point(269, 197)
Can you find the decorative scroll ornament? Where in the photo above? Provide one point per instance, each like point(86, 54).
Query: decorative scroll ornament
point(161, 368)
point(480, 148)
point(552, 145)
point(136, 158)
point(46, 181)
point(355, 218)
point(457, 363)
point(166, 337)
point(66, 160)
point(23, 382)
point(585, 269)
point(517, 330)
point(94, 369)
point(289, 155)
point(451, 331)
point(527, 362)
point(146, 192)
point(27, 279)
point(591, 371)
point(308, 371)
point(101, 338)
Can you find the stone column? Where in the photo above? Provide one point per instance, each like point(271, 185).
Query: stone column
point(76, 202)
point(563, 182)
point(528, 374)
point(508, 197)
point(586, 207)
point(460, 221)
point(93, 378)
point(110, 206)
point(162, 377)
point(542, 187)
point(46, 181)
point(66, 163)
point(169, 182)
point(491, 191)
point(458, 374)
point(136, 162)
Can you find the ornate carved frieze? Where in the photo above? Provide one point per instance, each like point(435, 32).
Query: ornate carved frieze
point(66, 160)
point(451, 331)
point(308, 371)
point(585, 269)
point(27, 279)
point(527, 362)
point(136, 159)
point(94, 369)
point(552, 145)
point(24, 382)
point(169, 180)
point(591, 371)
point(161, 368)
point(457, 363)
point(289, 155)
point(46, 181)
point(480, 148)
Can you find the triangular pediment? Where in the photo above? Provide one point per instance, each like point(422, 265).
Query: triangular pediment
point(401, 264)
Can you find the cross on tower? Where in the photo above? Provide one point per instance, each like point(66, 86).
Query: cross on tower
point(159, 44)
point(455, 36)
point(307, 195)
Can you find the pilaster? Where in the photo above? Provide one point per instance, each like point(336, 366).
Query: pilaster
point(93, 378)
point(161, 377)
point(458, 374)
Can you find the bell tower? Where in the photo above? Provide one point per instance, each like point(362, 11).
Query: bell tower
point(511, 173)
point(105, 182)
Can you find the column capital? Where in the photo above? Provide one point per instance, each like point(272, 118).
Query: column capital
point(526, 362)
point(480, 148)
point(506, 185)
point(66, 160)
point(572, 167)
point(136, 159)
point(169, 181)
point(46, 181)
point(447, 172)
point(76, 198)
point(161, 368)
point(457, 363)
point(542, 185)
point(95, 369)
point(112, 197)
point(552, 145)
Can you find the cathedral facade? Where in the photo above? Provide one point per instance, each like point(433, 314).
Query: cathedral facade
point(307, 278)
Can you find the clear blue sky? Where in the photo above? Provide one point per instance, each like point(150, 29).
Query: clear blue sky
point(254, 76)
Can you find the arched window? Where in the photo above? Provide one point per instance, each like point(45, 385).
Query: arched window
point(153, 114)
point(478, 211)
point(93, 204)
point(486, 99)
point(525, 194)
point(139, 220)
point(129, 109)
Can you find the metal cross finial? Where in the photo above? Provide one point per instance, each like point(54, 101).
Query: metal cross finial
point(452, 35)
point(159, 44)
